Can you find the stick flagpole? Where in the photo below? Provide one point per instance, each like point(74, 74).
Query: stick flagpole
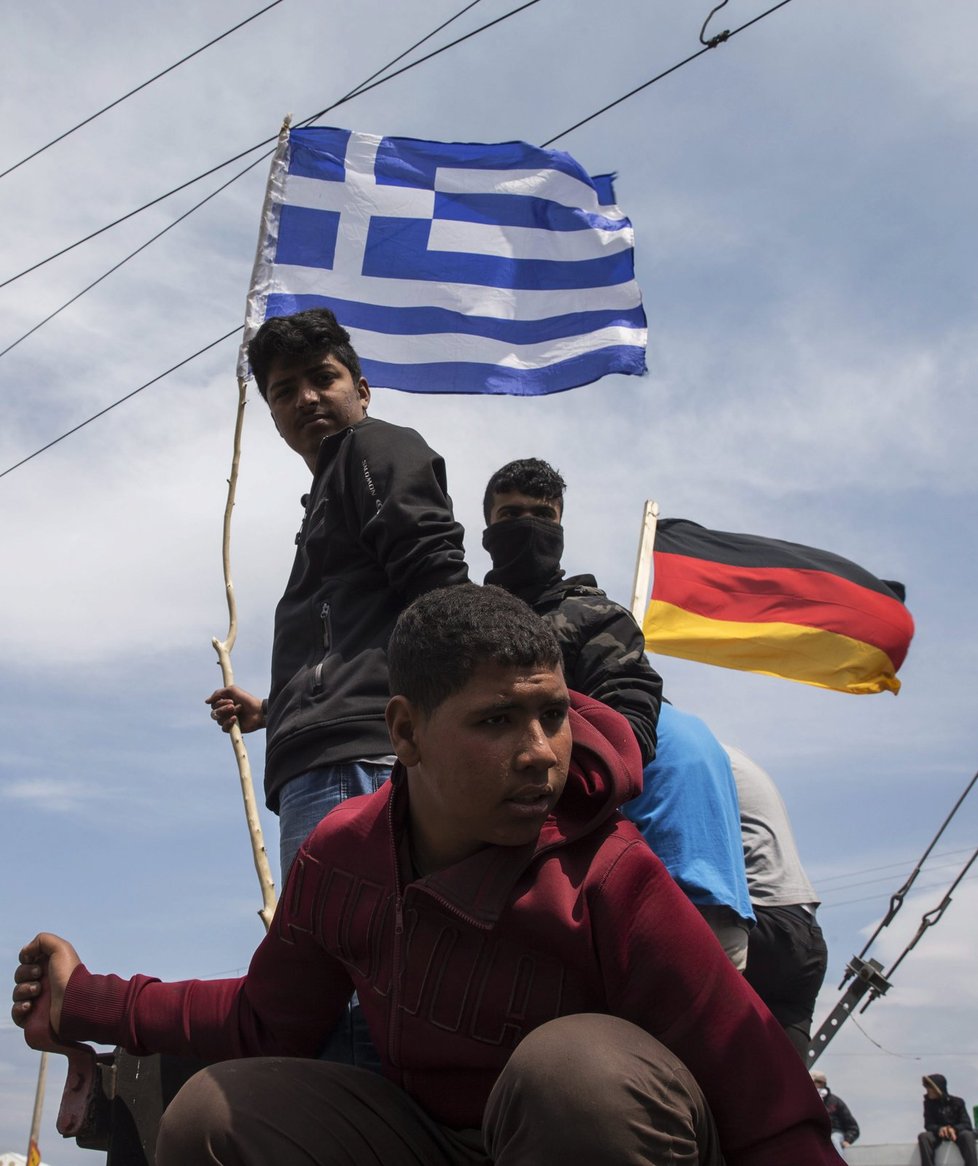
point(33, 1153)
point(257, 295)
point(643, 561)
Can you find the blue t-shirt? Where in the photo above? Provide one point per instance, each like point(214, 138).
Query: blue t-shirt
point(689, 815)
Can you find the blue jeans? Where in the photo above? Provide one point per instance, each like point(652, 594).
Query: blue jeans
point(303, 803)
point(306, 799)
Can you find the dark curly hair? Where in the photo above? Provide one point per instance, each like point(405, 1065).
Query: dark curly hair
point(528, 475)
point(313, 332)
point(444, 636)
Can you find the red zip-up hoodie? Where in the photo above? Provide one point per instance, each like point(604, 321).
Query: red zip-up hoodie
point(455, 968)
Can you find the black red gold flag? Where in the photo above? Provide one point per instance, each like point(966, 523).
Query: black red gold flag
point(774, 607)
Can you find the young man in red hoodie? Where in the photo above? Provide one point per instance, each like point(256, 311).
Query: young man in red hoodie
point(539, 989)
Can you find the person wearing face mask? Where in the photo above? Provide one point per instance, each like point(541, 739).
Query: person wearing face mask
point(845, 1129)
point(603, 647)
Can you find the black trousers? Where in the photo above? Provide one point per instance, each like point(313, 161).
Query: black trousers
point(786, 961)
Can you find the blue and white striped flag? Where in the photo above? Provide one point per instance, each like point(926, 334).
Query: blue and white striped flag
point(456, 268)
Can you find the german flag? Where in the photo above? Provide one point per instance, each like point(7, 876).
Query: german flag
point(778, 608)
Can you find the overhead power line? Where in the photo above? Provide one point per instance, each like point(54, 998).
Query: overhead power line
point(169, 227)
point(896, 900)
point(712, 44)
point(365, 88)
point(125, 96)
point(127, 397)
point(373, 84)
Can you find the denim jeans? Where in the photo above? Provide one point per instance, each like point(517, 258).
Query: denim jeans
point(303, 803)
point(306, 799)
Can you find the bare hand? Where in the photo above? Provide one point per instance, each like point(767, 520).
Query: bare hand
point(40, 980)
point(948, 1133)
point(233, 706)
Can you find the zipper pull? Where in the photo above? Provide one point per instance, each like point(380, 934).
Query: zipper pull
point(324, 617)
point(398, 915)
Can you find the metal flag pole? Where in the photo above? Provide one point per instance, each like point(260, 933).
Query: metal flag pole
point(643, 561)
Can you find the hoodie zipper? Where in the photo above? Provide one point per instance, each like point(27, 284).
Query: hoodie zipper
point(317, 678)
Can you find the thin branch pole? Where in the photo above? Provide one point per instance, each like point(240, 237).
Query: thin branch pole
point(42, 1073)
point(643, 562)
point(223, 649)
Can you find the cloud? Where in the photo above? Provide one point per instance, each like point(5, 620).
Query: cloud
point(53, 796)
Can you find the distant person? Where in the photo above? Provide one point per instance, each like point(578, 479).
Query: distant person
point(845, 1129)
point(688, 813)
point(377, 532)
point(945, 1120)
point(786, 953)
point(602, 645)
point(541, 992)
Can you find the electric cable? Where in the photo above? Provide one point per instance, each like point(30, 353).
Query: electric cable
point(120, 100)
point(142, 247)
point(451, 44)
point(873, 898)
point(638, 89)
point(823, 879)
point(928, 919)
point(265, 142)
point(122, 400)
point(896, 900)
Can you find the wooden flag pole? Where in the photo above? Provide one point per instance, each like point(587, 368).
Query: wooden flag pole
point(33, 1156)
point(254, 309)
point(223, 649)
point(643, 561)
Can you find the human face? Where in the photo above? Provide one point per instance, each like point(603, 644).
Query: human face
point(513, 504)
point(486, 767)
point(311, 398)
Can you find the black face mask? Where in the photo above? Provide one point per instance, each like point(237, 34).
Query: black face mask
point(525, 553)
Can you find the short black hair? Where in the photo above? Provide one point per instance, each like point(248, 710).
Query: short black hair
point(444, 636)
point(528, 475)
point(307, 333)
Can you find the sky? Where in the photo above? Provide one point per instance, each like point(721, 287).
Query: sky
point(803, 203)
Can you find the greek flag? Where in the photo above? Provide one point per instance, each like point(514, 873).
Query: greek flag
point(456, 267)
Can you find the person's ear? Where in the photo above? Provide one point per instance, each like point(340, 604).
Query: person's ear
point(403, 720)
point(363, 392)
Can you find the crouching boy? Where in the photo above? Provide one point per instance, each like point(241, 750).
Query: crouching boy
point(538, 988)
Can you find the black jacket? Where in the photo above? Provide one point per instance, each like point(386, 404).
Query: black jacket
point(946, 1110)
point(840, 1117)
point(378, 531)
point(604, 652)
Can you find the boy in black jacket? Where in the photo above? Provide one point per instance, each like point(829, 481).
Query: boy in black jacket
point(945, 1120)
point(377, 532)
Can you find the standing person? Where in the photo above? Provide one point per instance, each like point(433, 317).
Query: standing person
point(604, 656)
point(786, 953)
point(377, 531)
point(845, 1128)
point(602, 645)
point(945, 1120)
point(539, 988)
